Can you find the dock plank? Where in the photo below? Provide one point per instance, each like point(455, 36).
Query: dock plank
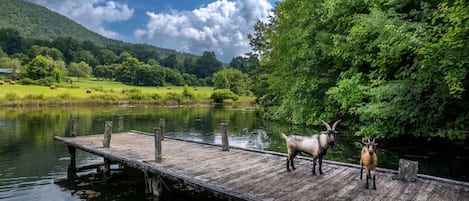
point(256, 175)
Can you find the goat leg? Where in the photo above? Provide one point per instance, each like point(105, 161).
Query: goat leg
point(367, 177)
point(314, 166)
point(288, 165)
point(374, 180)
point(361, 171)
point(320, 165)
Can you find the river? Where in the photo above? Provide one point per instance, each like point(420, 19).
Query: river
point(34, 167)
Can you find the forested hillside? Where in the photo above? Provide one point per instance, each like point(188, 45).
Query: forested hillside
point(388, 68)
point(37, 22)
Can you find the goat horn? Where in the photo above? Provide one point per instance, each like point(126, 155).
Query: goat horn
point(327, 125)
point(374, 140)
point(368, 140)
point(335, 124)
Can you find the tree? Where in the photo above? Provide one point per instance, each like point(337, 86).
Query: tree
point(53, 53)
point(239, 63)
point(205, 65)
point(38, 68)
point(10, 40)
point(170, 61)
point(107, 57)
point(68, 46)
point(232, 79)
point(390, 68)
point(81, 69)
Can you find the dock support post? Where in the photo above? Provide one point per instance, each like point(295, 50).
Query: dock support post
point(153, 185)
point(224, 137)
point(72, 168)
point(162, 125)
point(107, 134)
point(73, 127)
point(408, 170)
point(120, 125)
point(158, 154)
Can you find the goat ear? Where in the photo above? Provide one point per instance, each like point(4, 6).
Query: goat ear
point(327, 125)
point(335, 124)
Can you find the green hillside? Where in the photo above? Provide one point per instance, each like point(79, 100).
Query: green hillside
point(37, 22)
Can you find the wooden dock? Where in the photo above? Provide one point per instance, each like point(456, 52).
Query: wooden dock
point(244, 174)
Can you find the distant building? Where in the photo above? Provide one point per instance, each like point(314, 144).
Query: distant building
point(7, 72)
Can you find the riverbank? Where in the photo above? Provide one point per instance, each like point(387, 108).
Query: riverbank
point(93, 92)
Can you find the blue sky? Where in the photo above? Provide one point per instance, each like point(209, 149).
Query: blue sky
point(192, 26)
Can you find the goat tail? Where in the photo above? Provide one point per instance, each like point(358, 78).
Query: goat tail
point(284, 136)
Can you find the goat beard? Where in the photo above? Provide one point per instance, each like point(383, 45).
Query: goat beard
point(332, 145)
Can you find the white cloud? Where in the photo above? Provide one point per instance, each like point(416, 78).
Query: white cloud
point(221, 26)
point(91, 13)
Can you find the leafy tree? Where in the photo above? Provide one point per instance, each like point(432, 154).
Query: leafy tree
point(53, 53)
point(38, 68)
point(126, 72)
point(68, 46)
point(170, 61)
point(232, 79)
point(390, 68)
point(43, 67)
point(81, 69)
point(107, 57)
point(239, 63)
point(205, 65)
point(10, 40)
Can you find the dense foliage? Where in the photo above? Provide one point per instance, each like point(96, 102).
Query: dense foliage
point(393, 68)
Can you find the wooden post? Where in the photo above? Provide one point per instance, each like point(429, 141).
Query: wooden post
point(408, 170)
point(162, 125)
point(72, 168)
point(73, 127)
point(107, 134)
point(158, 154)
point(120, 125)
point(224, 137)
point(107, 167)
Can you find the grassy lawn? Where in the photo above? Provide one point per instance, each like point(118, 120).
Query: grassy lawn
point(103, 92)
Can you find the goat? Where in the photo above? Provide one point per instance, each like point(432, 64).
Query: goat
point(315, 145)
point(369, 159)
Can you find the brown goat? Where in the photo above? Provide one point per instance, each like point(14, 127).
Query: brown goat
point(315, 145)
point(369, 159)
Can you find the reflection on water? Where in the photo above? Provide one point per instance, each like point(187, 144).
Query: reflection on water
point(33, 166)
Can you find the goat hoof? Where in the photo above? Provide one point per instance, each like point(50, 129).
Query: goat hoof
point(293, 168)
point(288, 170)
point(374, 188)
point(321, 173)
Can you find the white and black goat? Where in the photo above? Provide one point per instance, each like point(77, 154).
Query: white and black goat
point(315, 145)
point(369, 159)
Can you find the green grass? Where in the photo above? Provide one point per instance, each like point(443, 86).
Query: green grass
point(103, 92)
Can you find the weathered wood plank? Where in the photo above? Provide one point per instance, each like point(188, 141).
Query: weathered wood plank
point(244, 174)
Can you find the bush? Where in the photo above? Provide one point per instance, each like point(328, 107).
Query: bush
point(222, 94)
point(106, 97)
point(127, 91)
point(154, 96)
point(27, 81)
point(47, 81)
point(34, 97)
point(186, 93)
point(174, 96)
point(137, 96)
point(10, 96)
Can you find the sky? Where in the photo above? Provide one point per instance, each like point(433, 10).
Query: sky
point(191, 26)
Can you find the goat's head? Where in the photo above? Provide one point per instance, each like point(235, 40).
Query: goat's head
point(371, 146)
point(331, 132)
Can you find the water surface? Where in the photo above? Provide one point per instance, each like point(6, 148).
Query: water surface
point(33, 166)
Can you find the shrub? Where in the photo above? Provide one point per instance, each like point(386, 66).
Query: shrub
point(137, 96)
point(34, 97)
point(154, 96)
point(106, 97)
point(65, 96)
point(186, 93)
point(10, 96)
point(27, 81)
point(174, 96)
point(47, 81)
point(222, 94)
point(133, 90)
